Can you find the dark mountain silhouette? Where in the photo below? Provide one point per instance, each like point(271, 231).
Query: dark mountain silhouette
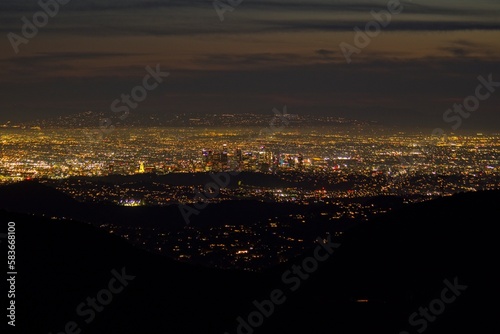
point(32, 197)
point(397, 263)
point(35, 196)
point(93, 120)
point(196, 179)
point(61, 263)
point(290, 179)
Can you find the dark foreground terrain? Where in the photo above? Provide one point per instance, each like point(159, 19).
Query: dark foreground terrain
point(384, 271)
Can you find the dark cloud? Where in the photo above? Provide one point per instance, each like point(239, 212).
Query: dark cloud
point(63, 56)
point(465, 48)
point(325, 53)
point(277, 59)
point(435, 8)
point(197, 17)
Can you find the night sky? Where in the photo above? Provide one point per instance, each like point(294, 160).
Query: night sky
point(264, 54)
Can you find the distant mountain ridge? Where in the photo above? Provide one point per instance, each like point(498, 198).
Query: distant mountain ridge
point(91, 119)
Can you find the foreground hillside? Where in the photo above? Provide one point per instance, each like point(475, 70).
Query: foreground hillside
point(383, 272)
